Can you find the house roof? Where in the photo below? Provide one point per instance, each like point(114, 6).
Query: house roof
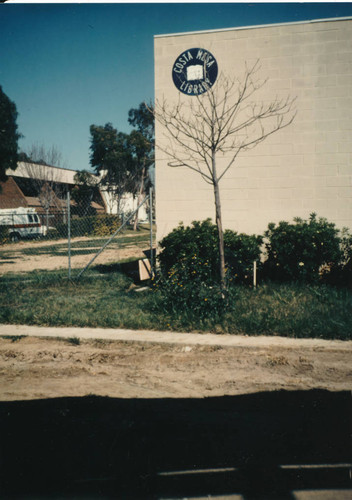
point(43, 172)
point(11, 195)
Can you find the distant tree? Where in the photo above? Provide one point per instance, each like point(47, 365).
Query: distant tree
point(142, 146)
point(112, 159)
point(22, 156)
point(8, 135)
point(141, 119)
point(46, 182)
point(84, 190)
point(220, 124)
point(43, 155)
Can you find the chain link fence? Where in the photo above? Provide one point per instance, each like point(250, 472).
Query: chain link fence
point(74, 240)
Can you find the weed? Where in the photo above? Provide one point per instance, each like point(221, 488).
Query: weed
point(276, 361)
point(74, 341)
point(14, 338)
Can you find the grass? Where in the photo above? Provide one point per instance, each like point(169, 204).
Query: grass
point(271, 309)
point(90, 302)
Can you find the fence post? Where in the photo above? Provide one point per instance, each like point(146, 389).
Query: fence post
point(69, 233)
point(255, 274)
point(111, 238)
point(151, 230)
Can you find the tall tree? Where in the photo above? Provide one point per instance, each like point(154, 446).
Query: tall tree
point(220, 124)
point(112, 159)
point(142, 148)
point(8, 135)
point(83, 192)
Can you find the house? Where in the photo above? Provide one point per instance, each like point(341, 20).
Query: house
point(42, 187)
point(45, 188)
point(304, 168)
point(126, 205)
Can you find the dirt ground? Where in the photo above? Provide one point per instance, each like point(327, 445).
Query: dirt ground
point(180, 420)
point(17, 262)
point(36, 368)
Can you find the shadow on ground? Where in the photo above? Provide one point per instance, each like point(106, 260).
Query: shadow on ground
point(252, 445)
point(130, 269)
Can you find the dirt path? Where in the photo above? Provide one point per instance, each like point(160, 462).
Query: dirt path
point(32, 368)
point(17, 262)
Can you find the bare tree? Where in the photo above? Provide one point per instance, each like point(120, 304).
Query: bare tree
point(39, 165)
point(207, 132)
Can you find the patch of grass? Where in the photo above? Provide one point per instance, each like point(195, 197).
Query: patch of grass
point(13, 338)
point(271, 309)
point(293, 311)
point(104, 302)
point(39, 277)
point(74, 341)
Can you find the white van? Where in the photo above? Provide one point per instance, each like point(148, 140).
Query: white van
point(22, 223)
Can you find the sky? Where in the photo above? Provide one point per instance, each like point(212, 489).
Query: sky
point(70, 65)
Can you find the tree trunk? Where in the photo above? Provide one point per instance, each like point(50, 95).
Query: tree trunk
point(218, 220)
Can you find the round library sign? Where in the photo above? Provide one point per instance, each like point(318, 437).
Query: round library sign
point(194, 71)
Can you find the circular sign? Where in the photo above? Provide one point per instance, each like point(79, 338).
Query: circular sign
point(195, 71)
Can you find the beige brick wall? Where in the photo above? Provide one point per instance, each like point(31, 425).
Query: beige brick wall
point(304, 168)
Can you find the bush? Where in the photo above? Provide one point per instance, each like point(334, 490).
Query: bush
point(299, 251)
point(193, 252)
point(105, 225)
point(83, 226)
point(4, 235)
point(340, 273)
point(189, 264)
point(240, 252)
point(92, 225)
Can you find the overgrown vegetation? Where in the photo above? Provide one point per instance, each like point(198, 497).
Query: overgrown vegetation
point(297, 251)
point(306, 252)
point(187, 293)
point(189, 280)
point(4, 235)
point(294, 310)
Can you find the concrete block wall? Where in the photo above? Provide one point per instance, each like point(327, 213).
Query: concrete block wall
point(304, 168)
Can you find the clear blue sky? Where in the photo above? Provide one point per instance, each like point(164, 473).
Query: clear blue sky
point(67, 66)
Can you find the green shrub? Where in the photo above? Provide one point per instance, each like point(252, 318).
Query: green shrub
point(91, 225)
point(189, 301)
point(4, 235)
point(340, 273)
point(105, 225)
point(240, 252)
point(298, 251)
point(193, 252)
point(83, 226)
point(189, 263)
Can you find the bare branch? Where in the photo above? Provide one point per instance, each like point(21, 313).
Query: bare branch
point(221, 123)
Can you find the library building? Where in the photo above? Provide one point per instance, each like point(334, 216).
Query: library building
point(271, 107)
